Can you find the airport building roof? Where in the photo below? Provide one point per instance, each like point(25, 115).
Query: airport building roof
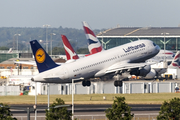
point(141, 32)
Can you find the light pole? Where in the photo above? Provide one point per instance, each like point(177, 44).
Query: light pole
point(17, 40)
point(51, 41)
point(72, 99)
point(48, 92)
point(105, 43)
point(165, 44)
point(35, 110)
point(102, 40)
point(46, 26)
point(81, 78)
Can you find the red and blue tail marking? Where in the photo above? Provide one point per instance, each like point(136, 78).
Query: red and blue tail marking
point(94, 45)
point(176, 61)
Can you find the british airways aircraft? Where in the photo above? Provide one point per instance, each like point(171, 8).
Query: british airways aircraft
point(129, 58)
point(176, 61)
point(94, 45)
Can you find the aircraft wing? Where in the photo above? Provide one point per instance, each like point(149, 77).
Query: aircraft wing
point(124, 66)
point(26, 62)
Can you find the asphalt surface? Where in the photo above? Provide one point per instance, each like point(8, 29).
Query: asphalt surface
point(86, 111)
point(94, 107)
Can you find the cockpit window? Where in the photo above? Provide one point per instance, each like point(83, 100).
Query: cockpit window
point(154, 44)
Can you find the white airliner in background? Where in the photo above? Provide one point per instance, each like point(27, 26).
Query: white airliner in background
point(129, 58)
point(161, 66)
point(161, 60)
point(163, 55)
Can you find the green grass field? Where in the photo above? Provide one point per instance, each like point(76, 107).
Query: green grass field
point(153, 98)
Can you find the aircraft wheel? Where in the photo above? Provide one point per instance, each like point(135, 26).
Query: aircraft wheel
point(120, 83)
point(116, 83)
point(88, 83)
point(83, 83)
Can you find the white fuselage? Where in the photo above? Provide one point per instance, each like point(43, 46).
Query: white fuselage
point(90, 66)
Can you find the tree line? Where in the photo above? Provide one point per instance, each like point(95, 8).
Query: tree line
point(19, 37)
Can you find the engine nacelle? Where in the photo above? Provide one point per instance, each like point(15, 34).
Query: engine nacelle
point(151, 74)
point(141, 71)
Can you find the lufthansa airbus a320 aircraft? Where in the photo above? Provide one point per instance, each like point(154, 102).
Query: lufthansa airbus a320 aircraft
point(129, 58)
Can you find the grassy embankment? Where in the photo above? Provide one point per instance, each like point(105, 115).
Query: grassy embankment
point(154, 98)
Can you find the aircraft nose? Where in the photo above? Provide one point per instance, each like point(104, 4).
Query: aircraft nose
point(157, 48)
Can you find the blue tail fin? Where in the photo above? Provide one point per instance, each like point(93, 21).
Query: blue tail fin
point(43, 60)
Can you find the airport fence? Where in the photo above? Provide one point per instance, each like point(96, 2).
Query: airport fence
point(9, 90)
point(95, 117)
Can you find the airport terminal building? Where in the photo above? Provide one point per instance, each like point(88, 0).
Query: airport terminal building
point(165, 37)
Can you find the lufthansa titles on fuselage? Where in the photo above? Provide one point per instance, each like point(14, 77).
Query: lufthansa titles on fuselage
point(131, 48)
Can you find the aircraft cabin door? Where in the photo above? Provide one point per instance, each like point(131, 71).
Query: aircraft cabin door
point(65, 73)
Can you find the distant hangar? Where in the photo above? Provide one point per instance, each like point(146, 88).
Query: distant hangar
point(168, 36)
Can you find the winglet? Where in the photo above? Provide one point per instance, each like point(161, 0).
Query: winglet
point(176, 61)
point(70, 53)
point(94, 45)
point(43, 60)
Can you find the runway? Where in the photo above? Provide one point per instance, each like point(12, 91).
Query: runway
point(89, 111)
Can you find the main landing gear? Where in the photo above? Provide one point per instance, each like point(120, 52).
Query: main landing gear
point(118, 83)
point(86, 83)
point(119, 80)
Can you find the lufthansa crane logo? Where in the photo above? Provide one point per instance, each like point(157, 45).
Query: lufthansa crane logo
point(40, 55)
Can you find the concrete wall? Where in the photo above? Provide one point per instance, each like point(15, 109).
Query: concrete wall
point(149, 87)
point(9, 90)
point(129, 87)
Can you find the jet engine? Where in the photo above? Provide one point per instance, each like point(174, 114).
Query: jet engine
point(151, 74)
point(141, 71)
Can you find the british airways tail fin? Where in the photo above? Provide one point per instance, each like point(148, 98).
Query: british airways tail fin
point(94, 45)
point(43, 60)
point(70, 53)
point(176, 61)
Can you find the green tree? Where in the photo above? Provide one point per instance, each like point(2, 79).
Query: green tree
point(5, 113)
point(58, 113)
point(82, 51)
point(119, 111)
point(4, 48)
point(170, 110)
point(58, 51)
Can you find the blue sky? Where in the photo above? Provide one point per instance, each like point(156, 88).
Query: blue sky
point(98, 13)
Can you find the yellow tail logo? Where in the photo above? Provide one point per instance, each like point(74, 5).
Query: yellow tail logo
point(40, 55)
